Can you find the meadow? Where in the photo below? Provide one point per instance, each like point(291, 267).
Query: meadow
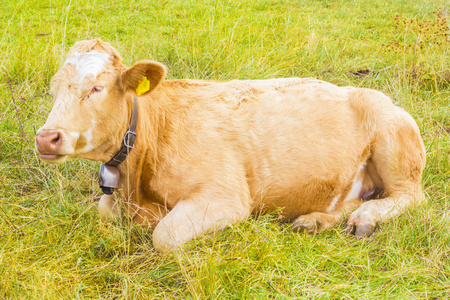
point(53, 244)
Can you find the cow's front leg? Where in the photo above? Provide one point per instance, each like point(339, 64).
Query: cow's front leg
point(108, 207)
point(201, 213)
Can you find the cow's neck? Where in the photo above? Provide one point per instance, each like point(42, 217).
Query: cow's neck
point(150, 125)
point(160, 117)
point(129, 137)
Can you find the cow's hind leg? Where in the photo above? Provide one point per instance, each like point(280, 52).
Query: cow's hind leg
point(362, 222)
point(399, 157)
point(317, 222)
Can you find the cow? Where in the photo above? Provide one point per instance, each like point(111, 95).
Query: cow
point(202, 155)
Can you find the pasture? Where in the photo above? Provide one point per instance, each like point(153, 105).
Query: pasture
point(53, 244)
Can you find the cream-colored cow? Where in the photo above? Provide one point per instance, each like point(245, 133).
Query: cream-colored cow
point(208, 154)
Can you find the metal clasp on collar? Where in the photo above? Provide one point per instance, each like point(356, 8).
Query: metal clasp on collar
point(127, 138)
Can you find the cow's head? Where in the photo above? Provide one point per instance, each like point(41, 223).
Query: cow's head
point(92, 102)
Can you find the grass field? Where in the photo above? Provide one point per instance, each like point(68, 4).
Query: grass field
point(52, 243)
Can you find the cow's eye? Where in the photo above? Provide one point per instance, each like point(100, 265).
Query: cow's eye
point(96, 89)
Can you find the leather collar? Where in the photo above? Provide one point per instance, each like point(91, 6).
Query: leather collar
point(128, 139)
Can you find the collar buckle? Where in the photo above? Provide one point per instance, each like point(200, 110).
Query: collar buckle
point(128, 139)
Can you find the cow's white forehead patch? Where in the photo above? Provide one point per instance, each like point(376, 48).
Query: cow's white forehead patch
point(92, 62)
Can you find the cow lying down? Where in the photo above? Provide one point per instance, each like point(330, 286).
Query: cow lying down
point(208, 154)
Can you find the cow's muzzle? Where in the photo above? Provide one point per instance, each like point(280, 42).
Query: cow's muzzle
point(48, 144)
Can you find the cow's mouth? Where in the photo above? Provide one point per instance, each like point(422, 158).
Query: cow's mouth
point(53, 158)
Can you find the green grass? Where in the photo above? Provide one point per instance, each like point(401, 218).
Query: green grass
point(63, 250)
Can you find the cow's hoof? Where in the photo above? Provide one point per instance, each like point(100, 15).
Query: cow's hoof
point(360, 231)
point(306, 225)
point(364, 231)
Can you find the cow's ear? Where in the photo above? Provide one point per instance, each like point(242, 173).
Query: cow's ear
point(134, 76)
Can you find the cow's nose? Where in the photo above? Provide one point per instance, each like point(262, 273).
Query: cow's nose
point(48, 142)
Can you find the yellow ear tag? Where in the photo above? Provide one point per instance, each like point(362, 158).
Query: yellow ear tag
point(143, 87)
